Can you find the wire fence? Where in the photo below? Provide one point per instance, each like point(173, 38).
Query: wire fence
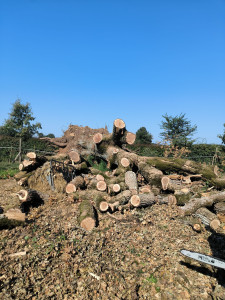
point(9, 153)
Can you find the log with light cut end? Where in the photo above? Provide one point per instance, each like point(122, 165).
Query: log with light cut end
point(97, 138)
point(23, 181)
point(183, 196)
point(113, 189)
point(101, 185)
point(101, 203)
point(143, 200)
point(195, 203)
point(29, 198)
point(145, 189)
point(165, 181)
point(31, 155)
point(130, 138)
point(209, 217)
point(25, 165)
point(219, 208)
point(119, 124)
point(76, 184)
point(99, 177)
point(74, 156)
point(131, 180)
point(125, 162)
point(86, 216)
point(119, 128)
point(120, 200)
point(15, 214)
point(169, 200)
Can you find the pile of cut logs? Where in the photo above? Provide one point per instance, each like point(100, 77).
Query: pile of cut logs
point(131, 181)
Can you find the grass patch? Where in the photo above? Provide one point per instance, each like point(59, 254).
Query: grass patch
point(8, 170)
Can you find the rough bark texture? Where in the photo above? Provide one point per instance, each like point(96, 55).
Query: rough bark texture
point(196, 203)
point(210, 217)
point(131, 180)
point(87, 216)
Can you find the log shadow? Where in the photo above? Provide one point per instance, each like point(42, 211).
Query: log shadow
point(217, 244)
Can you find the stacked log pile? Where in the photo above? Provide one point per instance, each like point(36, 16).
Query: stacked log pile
point(131, 181)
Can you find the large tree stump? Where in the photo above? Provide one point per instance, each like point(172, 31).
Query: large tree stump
point(87, 215)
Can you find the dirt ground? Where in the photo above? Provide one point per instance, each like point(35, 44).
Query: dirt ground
point(134, 255)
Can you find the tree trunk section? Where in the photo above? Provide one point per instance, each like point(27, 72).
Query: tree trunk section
point(210, 217)
point(131, 180)
point(101, 185)
point(194, 204)
point(87, 216)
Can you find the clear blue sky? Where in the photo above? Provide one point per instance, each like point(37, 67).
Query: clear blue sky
point(88, 62)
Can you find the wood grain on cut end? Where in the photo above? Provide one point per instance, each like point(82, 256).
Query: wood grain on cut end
point(70, 188)
point(97, 138)
point(135, 200)
point(215, 224)
point(22, 194)
point(165, 181)
point(172, 200)
point(103, 206)
point(88, 223)
point(15, 214)
point(74, 156)
point(125, 162)
point(31, 155)
point(99, 177)
point(116, 188)
point(101, 186)
point(130, 138)
point(118, 123)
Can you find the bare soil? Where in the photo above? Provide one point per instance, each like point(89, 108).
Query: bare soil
point(134, 255)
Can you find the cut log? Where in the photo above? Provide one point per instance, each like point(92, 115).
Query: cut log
point(131, 180)
point(130, 138)
point(77, 183)
point(26, 165)
point(151, 174)
point(171, 184)
point(165, 182)
point(169, 200)
point(120, 200)
point(15, 214)
point(145, 189)
point(143, 200)
point(196, 203)
point(209, 217)
point(97, 138)
point(125, 162)
point(31, 155)
point(113, 189)
point(23, 181)
point(219, 208)
point(29, 198)
point(119, 128)
point(101, 185)
point(99, 177)
point(183, 196)
point(87, 215)
point(101, 203)
point(74, 156)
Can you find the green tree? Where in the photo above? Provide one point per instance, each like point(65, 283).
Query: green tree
point(19, 123)
point(222, 136)
point(177, 130)
point(143, 136)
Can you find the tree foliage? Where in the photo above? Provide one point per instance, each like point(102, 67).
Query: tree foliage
point(177, 130)
point(143, 136)
point(20, 122)
point(222, 136)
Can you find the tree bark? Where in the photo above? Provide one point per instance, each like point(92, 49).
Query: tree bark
point(131, 180)
point(77, 183)
point(194, 204)
point(87, 215)
point(29, 198)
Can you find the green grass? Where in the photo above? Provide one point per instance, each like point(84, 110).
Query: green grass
point(8, 170)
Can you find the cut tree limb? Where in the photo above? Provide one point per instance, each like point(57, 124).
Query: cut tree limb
point(101, 185)
point(87, 215)
point(194, 204)
point(131, 180)
point(210, 217)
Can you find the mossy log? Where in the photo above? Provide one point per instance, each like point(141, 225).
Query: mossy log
point(209, 217)
point(101, 204)
point(183, 196)
point(120, 200)
point(87, 215)
point(151, 174)
point(195, 203)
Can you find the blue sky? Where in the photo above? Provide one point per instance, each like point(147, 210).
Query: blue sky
point(88, 62)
